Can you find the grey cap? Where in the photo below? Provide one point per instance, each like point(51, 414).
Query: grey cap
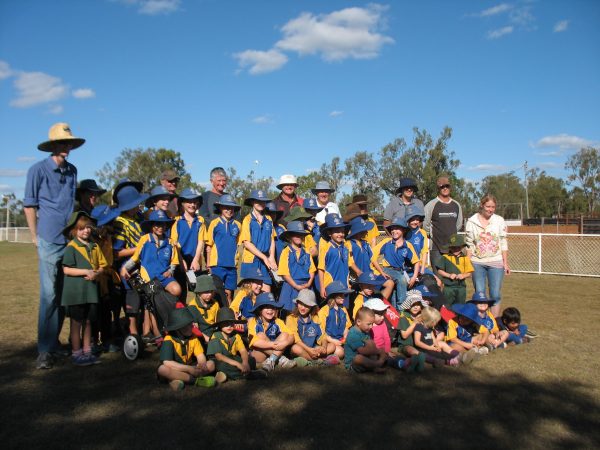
point(306, 297)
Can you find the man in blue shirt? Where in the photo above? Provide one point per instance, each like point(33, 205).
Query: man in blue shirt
point(48, 203)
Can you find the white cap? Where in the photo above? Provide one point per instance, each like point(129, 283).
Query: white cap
point(287, 179)
point(376, 304)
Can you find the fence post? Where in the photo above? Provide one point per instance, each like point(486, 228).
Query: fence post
point(540, 253)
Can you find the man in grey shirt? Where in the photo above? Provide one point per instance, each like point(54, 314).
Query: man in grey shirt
point(218, 179)
point(399, 203)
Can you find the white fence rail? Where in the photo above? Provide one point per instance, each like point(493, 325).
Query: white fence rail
point(543, 253)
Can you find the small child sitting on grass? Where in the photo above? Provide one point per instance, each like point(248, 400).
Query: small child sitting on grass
point(227, 350)
point(429, 340)
point(511, 322)
point(360, 352)
point(203, 305)
point(496, 338)
point(178, 352)
point(466, 332)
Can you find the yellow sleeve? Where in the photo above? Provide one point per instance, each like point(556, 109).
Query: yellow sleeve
point(282, 326)
point(359, 301)
point(312, 268)
point(174, 232)
point(415, 258)
point(138, 249)
point(495, 328)
point(323, 313)
point(425, 249)
point(452, 330)
point(174, 253)
point(283, 267)
point(291, 323)
point(377, 249)
point(323, 249)
point(468, 266)
point(237, 300)
point(348, 321)
point(201, 230)
point(251, 331)
point(245, 229)
point(309, 242)
point(209, 236)
point(196, 347)
point(373, 232)
point(212, 313)
point(239, 227)
point(100, 257)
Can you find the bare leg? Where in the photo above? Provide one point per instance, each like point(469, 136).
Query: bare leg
point(173, 288)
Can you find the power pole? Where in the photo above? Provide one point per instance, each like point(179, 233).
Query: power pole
point(526, 190)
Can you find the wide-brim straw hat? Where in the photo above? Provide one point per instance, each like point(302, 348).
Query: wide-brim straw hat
point(60, 133)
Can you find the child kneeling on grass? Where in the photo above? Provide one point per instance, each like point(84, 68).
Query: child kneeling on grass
point(178, 351)
point(360, 352)
point(268, 335)
point(228, 351)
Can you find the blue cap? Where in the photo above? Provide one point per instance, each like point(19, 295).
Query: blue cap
point(480, 297)
point(336, 287)
point(397, 222)
point(129, 197)
point(333, 220)
point(266, 299)
point(104, 214)
point(414, 211)
point(190, 194)
point(311, 203)
point(426, 292)
point(293, 227)
point(358, 225)
point(226, 200)
point(468, 310)
point(256, 195)
point(370, 278)
point(155, 193)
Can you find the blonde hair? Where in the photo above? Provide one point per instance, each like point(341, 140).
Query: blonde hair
point(487, 198)
point(430, 316)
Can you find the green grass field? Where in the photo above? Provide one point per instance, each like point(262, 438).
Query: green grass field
point(542, 395)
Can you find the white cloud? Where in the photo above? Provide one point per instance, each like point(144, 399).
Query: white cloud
point(550, 165)
point(498, 9)
point(550, 153)
point(6, 188)
point(336, 113)
point(26, 158)
point(261, 62)
point(5, 70)
point(488, 168)
point(521, 16)
point(56, 109)
point(561, 26)
point(562, 141)
point(83, 93)
point(347, 33)
point(266, 118)
point(154, 7)
point(498, 33)
point(12, 173)
point(35, 88)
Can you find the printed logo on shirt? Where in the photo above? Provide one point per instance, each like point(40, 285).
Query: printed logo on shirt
point(453, 215)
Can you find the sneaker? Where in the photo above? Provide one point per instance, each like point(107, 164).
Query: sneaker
point(285, 363)
point(256, 375)
point(206, 382)
point(81, 360)
point(268, 365)
point(502, 345)
point(483, 350)
point(331, 360)
point(490, 347)
point(531, 334)
point(469, 356)
point(44, 361)
point(177, 385)
point(220, 377)
point(92, 358)
point(300, 361)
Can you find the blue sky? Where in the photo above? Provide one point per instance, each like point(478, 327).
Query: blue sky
point(291, 84)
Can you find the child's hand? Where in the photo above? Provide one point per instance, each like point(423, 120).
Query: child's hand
point(125, 274)
point(90, 275)
point(167, 274)
point(195, 266)
point(313, 353)
point(245, 368)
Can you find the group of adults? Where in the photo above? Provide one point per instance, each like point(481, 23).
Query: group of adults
point(51, 192)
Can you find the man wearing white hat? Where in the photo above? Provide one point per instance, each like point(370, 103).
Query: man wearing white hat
point(48, 203)
point(288, 198)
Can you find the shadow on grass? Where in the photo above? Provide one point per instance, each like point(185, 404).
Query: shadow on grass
point(119, 404)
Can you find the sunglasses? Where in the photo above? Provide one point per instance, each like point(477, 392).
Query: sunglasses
point(444, 186)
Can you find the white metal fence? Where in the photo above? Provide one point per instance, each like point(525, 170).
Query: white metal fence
point(543, 253)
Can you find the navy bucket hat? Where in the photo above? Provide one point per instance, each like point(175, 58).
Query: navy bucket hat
point(129, 197)
point(256, 195)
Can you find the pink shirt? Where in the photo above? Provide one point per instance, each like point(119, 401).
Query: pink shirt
point(381, 337)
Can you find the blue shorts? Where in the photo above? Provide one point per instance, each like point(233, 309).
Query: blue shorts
point(228, 276)
point(165, 281)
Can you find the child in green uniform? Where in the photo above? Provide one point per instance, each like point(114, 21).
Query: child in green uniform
point(227, 350)
point(83, 263)
point(203, 305)
point(178, 352)
point(454, 268)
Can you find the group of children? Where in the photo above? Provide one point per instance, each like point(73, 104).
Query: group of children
point(298, 280)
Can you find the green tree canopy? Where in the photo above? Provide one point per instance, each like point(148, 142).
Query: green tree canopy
point(509, 193)
point(547, 195)
point(585, 168)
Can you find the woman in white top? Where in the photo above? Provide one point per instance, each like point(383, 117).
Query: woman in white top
point(488, 249)
point(323, 191)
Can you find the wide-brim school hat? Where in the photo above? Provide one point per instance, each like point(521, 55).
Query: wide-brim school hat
point(256, 195)
point(73, 220)
point(138, 185)
point(370, 278)
point(287, 179)
point(334, 220)
point(352, 212)
point(180, 318)
point(414, 211)
point(426, 292)
point(322, 186)
point(468, 310)
point(359, 199)
point(312, 204)
point(104, 214)
point(190, 194)
point(480, 297)
point(405, 183)
point(226, 315)
point(337, 287)
point(266, 299)
point(90, 186)
point(157, 216)
point(271, 208)
point(375, 304)
point(307, 297)
point(358, 225)
point(297, 213)
point(413, 296)
point(204, 283)
point(60, 133)
point(457, 240)
point(156, 193)
point(397, 222)
point(226, 200)
point(294, 227)
point(129, 197)
point(251, 273)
